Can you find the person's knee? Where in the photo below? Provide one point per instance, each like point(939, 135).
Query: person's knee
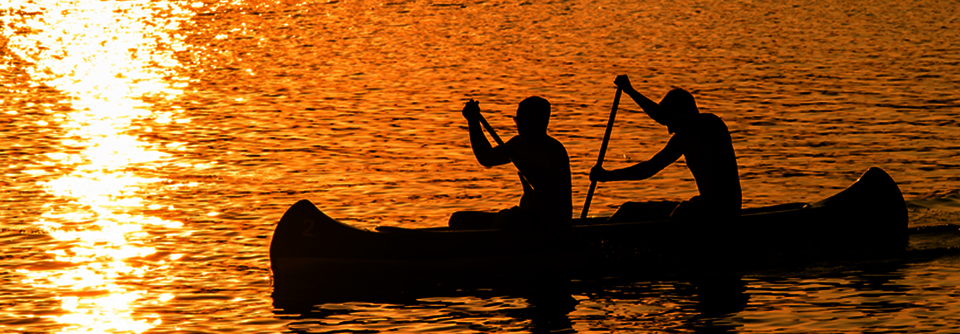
point(642, 211)
point(463, 220)
point(700, 212)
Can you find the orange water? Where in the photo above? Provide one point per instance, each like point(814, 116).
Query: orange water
point(150, 146)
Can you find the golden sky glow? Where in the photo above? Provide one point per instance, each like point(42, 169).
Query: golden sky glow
point(104, 56)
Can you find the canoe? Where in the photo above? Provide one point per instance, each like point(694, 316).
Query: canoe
point(868, 216)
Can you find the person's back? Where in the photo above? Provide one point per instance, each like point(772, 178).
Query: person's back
point(545, 164)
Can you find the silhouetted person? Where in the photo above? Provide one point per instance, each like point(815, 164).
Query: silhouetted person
point(543, 164)
point(702, 139)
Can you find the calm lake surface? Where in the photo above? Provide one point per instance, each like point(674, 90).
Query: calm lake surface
point(149, 148)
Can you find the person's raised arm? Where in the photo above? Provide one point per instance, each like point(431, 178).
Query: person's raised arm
point(487, 155)
point(643, 170)
point(651, 108)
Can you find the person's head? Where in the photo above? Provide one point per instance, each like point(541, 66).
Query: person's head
point(679, 107)
point(533, 115)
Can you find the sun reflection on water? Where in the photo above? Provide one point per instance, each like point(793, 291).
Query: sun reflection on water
point(105, 57)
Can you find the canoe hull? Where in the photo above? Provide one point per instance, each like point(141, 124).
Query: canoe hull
point(869, 216)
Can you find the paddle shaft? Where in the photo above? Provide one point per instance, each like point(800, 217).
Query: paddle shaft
point(499, 141)
point(603, 151)
point(490, 130)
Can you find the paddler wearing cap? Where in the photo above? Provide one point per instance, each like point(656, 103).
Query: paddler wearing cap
point(542, 162)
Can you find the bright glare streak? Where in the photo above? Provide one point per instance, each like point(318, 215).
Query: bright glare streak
point(106, 56)
point(103, 314)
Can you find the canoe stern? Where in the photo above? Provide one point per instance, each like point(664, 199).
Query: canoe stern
point(304, 228)
point(871, 211)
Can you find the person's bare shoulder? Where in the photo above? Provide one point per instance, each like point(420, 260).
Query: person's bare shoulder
point(710, 122)
point(556, 147)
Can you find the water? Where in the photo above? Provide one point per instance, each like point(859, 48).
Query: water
point(150, 147)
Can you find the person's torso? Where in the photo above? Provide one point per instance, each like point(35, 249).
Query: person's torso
point(546, 165)
point(708, 151)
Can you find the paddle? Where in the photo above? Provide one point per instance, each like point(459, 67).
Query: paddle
point(490, 130)
point(496, 138)
point(603, 150)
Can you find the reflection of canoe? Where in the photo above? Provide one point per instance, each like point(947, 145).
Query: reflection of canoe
point(870, 215)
